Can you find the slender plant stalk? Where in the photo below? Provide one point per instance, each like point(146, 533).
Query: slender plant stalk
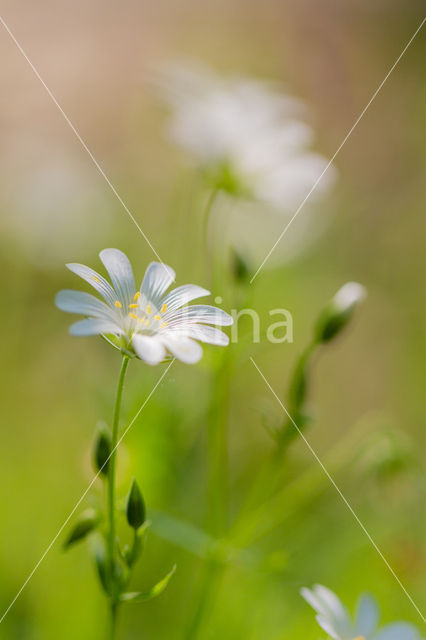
point(113, 620)
point(217, 436)
point(209, 583)
point(208, 249)
point(217, 439)
point(217, 494)
point(111, 494)
point(299, 492)
point(268, 478)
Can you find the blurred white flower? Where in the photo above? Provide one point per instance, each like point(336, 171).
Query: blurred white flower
point(248, 138)
point(334, 618)
point(146, 321)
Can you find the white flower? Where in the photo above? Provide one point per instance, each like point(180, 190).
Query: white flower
point(148, 322)
point(334, 618)
point(247, 136)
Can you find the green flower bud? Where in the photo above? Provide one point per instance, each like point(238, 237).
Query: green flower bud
point(85, 524)
point(102, 449)
point(240, 267)
point(135, 509)
point(339, 311)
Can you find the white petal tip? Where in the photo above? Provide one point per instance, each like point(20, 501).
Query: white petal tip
point(351, 293)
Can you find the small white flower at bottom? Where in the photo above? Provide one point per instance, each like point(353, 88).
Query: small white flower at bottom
point(335, 620)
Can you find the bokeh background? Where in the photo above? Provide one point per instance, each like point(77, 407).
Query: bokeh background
point(368, 388)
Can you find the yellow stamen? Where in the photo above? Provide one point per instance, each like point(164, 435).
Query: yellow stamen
point(164, 308)
point(157, 317)
point(133, 315)
point(140, 320)
point(137, 295)
point(147, 322)
point(359, 638)
point(133, 306)
point(96, 279)
point(118, 304)
point(148, 309)
point(163, 325)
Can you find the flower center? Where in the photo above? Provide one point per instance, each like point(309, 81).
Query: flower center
point(145, 315)
point(359, 638)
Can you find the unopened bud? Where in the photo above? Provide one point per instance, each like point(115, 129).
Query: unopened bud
point(102, 449)
point(135, 509)
point(339, 311)
point(240, 267)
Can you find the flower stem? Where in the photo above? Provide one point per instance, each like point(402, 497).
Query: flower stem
point(111, 494)
point(217, 496)
point(206, 593)
point(217, 438)
point(208, 249)
point(268, 480)
point(113, 619)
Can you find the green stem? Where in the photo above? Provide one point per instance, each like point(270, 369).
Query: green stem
point(208, 249)
point(113, 618)
point(206, 593)
point(267, 482)
point(296, 494)
point(217, 437)
point(111, 493)
point(217, 494)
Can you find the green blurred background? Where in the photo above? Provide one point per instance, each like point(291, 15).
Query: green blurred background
point(368, 388)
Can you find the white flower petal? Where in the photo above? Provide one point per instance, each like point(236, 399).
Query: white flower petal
point(204, 333)
point(94, 326)
point(84, 303)
point(331, 609)
point(181, 295)
point(95, 279)
point(349, 295)
point(398, 631)
point(367, 617)
point(148, 348)
point(157, 279)
point(200, 313)
point(285, 185)
point(332, 603)
point(182, 348)
point(315, 602)
point(121, 273)
point(328, 626)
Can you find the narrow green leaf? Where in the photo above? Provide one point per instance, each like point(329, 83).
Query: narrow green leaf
point(156, 590)
point(102, 565)
point(84, 525)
